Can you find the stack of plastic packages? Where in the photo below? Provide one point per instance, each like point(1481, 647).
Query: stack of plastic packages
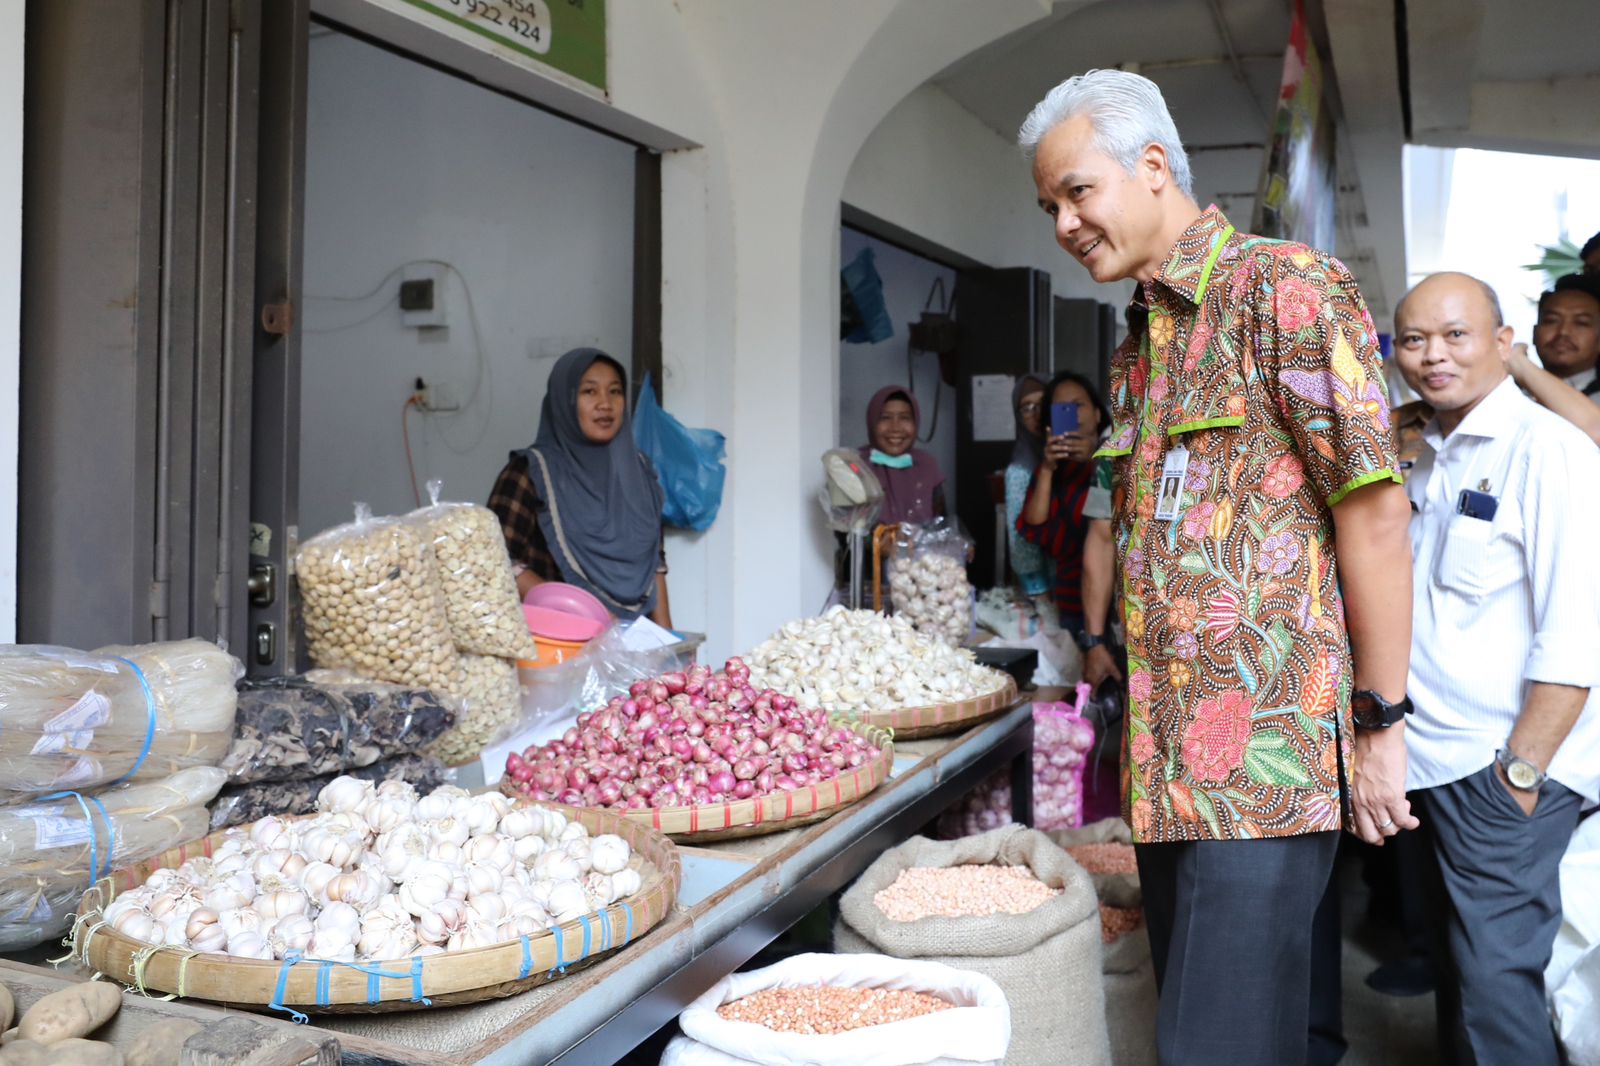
point(294, 735)
point(106, 758)
point(427, 600)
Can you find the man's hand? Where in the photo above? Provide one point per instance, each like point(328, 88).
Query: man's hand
point(1378, 784)
point(1519, 364)
point(1099, 664)
point(1526, 800)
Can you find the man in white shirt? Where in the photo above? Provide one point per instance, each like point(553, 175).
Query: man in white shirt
point(1505, 652)
point(1567, 334)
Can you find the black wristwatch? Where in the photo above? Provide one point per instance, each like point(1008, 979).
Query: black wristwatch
point(1087, 640)
point(1372, 711)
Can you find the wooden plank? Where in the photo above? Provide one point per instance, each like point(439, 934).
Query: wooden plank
point(239, 1041)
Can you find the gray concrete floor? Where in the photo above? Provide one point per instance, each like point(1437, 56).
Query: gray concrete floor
point(1382, 1030)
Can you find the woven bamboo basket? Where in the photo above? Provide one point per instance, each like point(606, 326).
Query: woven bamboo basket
point(319, 987)
point(912, 723)
point(775, 811)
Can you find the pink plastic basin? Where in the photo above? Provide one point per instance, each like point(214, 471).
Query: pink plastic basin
point(560, 625)
point(570, 599)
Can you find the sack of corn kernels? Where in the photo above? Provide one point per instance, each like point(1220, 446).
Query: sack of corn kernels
point(1008, 904)
point(845, 1010)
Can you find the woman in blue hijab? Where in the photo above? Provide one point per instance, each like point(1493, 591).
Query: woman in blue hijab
point(582, 504)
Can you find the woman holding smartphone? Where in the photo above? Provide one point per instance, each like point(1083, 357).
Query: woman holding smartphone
point(1053, 517)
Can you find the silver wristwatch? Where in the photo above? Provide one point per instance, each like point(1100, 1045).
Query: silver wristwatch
point(1523, 775)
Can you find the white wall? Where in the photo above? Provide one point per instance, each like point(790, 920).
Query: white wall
point(11, 35)
point(866, 368)
point(405, 162)
point(932, 167)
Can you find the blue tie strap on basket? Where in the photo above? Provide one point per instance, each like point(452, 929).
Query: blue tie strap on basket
point(561, 951)
point(150, 726)
point(324, 982)
point(527, 959)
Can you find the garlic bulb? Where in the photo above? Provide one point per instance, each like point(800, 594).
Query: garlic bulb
point(344, 795)
point(331, 944)
point(625, 883)
point(238, 890)
point(289, 934)
point(520, 822)
point(572, 831)
point(315, 876)
point(482, 879)
point(385, 813)
point(271, 833)
point(342, 918)
point(599, 890)
point(448, 852)
point(434, 806)
point(557, 866)
point(326, 845)
point(360, 889)
point(274, 905)
point(608, 853)
point(567, 901)
point(249, 946)
point(448, 828)
point(200, 918)
point(474, 935)
point(137, 924)
point(490, 907)
point(481, 816)
point(519, 925)
point(403, 850)
point(526, 849)
point(493, 850)
point(579, 850)
point(239, 920)
point(442, 922)
point(210, 938)
point(428, 886)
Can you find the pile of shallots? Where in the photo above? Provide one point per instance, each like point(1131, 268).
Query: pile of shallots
point(380, 873)
point(688, 739)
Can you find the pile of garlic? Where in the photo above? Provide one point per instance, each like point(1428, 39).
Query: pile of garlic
point(380, 874)
point(848, 660)
point(931, 591)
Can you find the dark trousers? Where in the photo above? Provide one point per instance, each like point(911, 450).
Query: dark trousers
point(1230, 924)
point(1495, 907)
point(1325, 1040)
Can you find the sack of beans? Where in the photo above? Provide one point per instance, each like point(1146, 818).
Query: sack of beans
point(1105, 850)
point(373, 603)
point(1130, 986)
point(1008, 904)
point(845, 1010)
point(480, 591)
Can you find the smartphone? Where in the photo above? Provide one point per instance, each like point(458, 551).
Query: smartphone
point(1477, 505)
point(1063, 419)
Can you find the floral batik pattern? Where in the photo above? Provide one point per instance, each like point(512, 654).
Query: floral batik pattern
point(1260, 359)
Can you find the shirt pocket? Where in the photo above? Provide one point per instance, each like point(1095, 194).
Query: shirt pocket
point(1213, 396)
point(1474, 558)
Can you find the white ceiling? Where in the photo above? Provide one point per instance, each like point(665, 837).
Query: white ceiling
point(1513, 75)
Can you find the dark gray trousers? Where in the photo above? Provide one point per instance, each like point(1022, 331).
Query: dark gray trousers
point(1230, 925)
point(1495, 908)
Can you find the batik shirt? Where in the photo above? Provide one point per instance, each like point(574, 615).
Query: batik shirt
point(1261, 359)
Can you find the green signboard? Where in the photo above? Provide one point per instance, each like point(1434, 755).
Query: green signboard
point(565, 35)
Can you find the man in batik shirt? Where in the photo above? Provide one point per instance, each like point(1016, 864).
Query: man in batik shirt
point(1258, 596)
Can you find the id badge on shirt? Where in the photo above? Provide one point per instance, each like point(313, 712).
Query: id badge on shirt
point(1173, 473)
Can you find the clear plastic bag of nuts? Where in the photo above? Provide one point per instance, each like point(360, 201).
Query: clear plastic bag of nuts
point(480, 591)
point(488, 706)
point(372, 602)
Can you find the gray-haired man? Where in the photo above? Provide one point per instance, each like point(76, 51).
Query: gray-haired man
point(1255, 384)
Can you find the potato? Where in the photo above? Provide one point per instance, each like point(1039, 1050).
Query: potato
point(162, 1043)
point(70, 1012)
point(8, 1008)
point(24, 1053)
point(76, 1051)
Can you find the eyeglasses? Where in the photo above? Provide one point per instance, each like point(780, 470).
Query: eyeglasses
point(1031, 408)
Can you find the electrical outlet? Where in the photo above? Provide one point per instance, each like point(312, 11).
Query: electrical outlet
point(422, 292)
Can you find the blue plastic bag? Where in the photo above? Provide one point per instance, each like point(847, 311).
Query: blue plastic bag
point(863, 317)
point(688, 462)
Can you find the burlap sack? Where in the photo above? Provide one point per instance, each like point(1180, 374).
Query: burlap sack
point(1047, 961)
point(1118, 890)
point(1130, 990)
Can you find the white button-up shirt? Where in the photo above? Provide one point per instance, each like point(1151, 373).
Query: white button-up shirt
point(1501, 604)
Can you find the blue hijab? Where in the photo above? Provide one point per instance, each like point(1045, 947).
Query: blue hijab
point(599, 504)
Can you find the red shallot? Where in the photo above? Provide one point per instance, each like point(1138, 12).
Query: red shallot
point(693, 737)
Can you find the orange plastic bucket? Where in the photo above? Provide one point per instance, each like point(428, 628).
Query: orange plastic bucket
point(552, 651)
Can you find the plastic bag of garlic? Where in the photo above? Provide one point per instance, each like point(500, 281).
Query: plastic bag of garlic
point(846, 660)
point(380, 873)
point(928, 581)
point(373, 603)
point(480, 591)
